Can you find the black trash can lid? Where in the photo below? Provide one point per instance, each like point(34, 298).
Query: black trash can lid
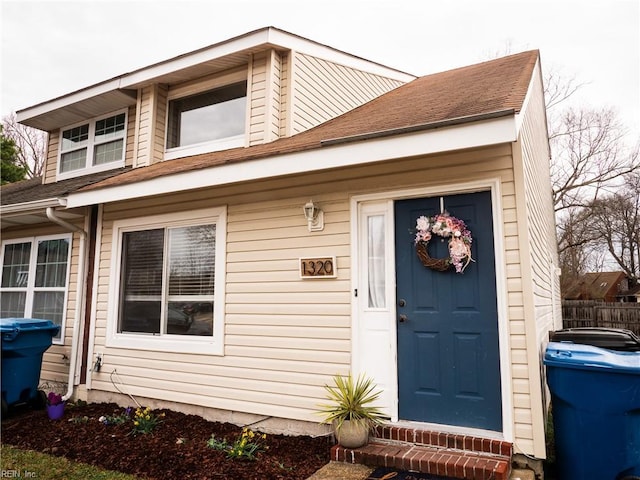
point(618, 339)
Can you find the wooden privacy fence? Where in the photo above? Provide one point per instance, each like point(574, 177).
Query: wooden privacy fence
point(587, 313)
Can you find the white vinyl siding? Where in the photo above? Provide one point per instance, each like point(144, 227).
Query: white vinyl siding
point(323, 90)
point(538, 261)
point(286, 337)
point(285, 95)
point(265, 108)
point(51, 163)
point(150, 121)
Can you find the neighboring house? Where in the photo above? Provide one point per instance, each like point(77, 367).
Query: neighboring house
point(600, 286)
point(167, 236)
point(630, 295)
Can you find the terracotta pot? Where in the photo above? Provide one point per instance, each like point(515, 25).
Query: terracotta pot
point(352, 434)
point(55, 412)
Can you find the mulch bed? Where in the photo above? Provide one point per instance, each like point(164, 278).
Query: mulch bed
point(177, 447)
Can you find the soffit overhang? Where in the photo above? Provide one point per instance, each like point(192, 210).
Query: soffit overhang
point(121, 91)
point(32, 213)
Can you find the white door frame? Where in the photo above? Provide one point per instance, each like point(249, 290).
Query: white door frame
point(374, 332)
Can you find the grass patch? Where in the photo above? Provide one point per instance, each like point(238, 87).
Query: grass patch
point(28, 464)
point(550, 439)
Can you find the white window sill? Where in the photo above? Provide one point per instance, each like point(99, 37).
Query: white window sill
point(166, 343)
point(205, 147)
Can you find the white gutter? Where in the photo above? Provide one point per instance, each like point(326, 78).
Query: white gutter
point(51, 215)
point(337, 153)
point(36, 205)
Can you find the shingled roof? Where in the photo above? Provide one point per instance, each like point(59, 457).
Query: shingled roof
point(463, 93)
point(33, 189)
point(456, 96)
point(604, 286)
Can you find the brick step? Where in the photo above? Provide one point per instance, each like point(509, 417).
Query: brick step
point(450, 455)
point(443, 439)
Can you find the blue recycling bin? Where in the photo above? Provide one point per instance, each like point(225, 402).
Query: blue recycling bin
point(595, 396)
point(24, 340)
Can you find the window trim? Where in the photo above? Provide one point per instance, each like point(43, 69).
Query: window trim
point(91, 144)
point(31, 288)
point(201, 86)
point(213, 345)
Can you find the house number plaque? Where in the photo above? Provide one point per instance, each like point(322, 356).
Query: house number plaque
point(318, 267)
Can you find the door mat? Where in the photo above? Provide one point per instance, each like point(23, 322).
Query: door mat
point(385, 473)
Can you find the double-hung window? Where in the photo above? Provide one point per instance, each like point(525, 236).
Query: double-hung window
point(93, 146)
point(170, 282)
point(35, 279)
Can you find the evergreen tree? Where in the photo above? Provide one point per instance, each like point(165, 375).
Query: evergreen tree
point(11, 172)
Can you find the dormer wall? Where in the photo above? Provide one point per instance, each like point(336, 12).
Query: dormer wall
point(151, 110)
point(288, 92)
point(324, 90)
point(267, 97)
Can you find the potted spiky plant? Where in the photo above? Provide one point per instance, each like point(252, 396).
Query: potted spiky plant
point(351, 411)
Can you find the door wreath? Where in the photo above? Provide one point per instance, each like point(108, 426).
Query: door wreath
point(445, 226)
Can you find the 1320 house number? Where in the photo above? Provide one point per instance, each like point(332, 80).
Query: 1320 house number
point(323, 267)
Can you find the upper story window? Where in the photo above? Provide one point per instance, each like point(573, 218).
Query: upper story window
point(207, 121)
point(93, 146)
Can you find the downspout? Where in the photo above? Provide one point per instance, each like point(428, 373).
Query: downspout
point(51, 215)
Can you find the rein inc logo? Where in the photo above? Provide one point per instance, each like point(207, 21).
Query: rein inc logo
point(17, 474)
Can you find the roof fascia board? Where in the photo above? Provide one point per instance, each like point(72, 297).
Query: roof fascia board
point(207, 54)
point(536, 75)
point(31, 207)
point(302, 45)
point(267, 37)
point(141, 75)
point(479, 134)
point(69, 99)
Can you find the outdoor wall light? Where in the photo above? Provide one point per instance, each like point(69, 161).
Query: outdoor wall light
point(314, 216)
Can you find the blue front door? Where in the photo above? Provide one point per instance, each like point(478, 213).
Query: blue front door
point(448, 355)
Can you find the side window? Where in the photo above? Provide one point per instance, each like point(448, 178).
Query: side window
point(93, 146)
point(35, 275)
point(376, 260)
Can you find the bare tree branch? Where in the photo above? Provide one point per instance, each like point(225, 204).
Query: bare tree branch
point(616, 218)
point(31, 144)
point(589, 156)
point(558, 88)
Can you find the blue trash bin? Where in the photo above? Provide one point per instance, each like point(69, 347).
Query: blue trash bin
point(595, 396)
point(24, 340)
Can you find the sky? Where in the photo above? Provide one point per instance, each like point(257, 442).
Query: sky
point(51, 48)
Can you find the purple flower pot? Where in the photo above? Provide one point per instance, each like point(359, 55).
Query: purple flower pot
point(55, 412)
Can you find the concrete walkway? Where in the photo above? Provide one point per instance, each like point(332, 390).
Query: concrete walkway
point(348, 471)
point(342, 471)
